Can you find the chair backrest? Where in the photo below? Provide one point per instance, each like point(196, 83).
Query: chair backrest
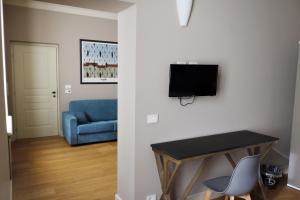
point(244, 177)
point(96, 110)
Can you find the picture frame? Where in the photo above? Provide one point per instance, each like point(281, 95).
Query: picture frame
point(98, 62)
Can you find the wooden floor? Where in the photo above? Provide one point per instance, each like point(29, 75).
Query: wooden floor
point(284, 193)
point(49, 169)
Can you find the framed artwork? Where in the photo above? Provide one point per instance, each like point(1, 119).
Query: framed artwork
point(99, 62)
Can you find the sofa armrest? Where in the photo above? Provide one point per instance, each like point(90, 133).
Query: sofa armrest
point(70, 127)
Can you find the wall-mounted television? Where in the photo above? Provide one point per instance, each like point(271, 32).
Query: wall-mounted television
point(188, 80)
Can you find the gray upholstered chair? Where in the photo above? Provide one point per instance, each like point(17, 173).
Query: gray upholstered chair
point(240, 183)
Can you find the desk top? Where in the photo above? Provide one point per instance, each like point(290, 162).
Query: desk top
point(182, 149)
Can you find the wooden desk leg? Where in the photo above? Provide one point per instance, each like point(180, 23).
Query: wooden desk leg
point(257, 188)
point(194, 180)
point(250, 153)
point(269, 147)
point(229, 158)
point(260, 186)
point(166, 173)
point(260, 181)
point(256, 150)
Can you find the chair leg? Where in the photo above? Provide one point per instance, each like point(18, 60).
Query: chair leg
point(207, 195)
point(231, 197)
point(246, 197)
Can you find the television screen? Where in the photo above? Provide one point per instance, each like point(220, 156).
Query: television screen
point(193, 80)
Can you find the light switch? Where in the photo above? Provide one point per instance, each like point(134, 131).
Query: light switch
point(152, 118)
point(68, 89)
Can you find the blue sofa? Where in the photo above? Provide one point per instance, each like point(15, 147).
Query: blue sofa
point(89, 121)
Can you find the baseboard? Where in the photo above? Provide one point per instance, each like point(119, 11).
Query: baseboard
point(294, 187)
point(13, 138)
point(11, 191)
point(60, 133)
point(117, 197)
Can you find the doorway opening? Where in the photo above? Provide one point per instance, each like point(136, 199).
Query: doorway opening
point(44, 81)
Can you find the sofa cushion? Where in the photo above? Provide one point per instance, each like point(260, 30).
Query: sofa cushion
point(81, 117)
point(96, 110)
point(97, 127)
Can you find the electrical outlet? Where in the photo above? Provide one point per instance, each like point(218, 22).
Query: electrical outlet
point(151, 197)
point(152, 118)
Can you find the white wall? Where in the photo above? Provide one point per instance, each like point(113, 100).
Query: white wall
point(254, 42)
point(294, 170)
point(126, 102)
point(5, 190)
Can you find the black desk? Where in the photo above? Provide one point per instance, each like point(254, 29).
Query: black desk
point(177, 152)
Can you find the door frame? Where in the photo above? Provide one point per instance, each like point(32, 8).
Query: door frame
point(13, 92)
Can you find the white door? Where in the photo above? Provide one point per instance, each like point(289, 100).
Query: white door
point(35, 90)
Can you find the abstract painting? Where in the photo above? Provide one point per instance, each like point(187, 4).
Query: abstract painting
point(99, 62)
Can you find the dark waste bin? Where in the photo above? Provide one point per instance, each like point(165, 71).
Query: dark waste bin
point(271, 175)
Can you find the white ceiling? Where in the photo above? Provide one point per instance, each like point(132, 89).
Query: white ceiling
point(114, 6)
